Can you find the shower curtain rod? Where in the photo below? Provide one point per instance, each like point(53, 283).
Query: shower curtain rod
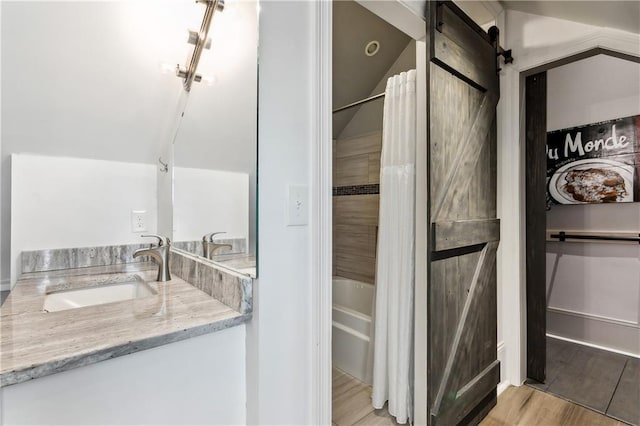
point(363, 101)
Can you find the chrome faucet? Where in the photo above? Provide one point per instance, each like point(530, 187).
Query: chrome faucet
point(209, 247)
point(161, 255)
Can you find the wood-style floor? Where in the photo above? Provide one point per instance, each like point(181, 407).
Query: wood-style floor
point(352, 403)
point(517, 406)
point(526, 406)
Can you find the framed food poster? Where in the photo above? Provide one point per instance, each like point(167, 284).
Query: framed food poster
point(595, 163)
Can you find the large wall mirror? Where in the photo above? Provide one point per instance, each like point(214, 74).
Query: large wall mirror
point(92, 111)
point(215, 148)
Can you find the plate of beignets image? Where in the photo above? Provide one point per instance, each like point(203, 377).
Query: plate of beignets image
point(592, 181)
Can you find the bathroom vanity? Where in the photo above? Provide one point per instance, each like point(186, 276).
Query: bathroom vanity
point(43, 333)
point(38, 341)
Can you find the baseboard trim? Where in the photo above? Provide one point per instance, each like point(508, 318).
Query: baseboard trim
point(589, 330)
point(502, 386)
point(502, 357)
point(593, 345)
point(593, 317)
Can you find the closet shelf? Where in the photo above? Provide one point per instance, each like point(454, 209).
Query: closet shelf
point(557, 235)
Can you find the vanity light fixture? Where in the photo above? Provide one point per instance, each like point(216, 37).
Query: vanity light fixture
point(201, 41)
point(194, 36)
point(182, 73)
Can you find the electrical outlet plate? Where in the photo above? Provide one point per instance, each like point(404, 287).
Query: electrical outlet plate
point(139, 221)
point(298, 209)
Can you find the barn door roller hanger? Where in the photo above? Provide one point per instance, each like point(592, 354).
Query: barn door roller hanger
point(493, 35)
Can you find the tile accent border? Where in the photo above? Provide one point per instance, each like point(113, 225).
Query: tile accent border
point(83, 257)
point(356, 190)
point(233, 289)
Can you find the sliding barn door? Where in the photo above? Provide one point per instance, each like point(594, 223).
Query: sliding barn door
point(463, 370)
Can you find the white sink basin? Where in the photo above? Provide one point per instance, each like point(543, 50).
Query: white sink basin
point(132, 288)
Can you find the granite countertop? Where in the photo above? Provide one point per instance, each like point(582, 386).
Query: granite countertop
point(35, 343)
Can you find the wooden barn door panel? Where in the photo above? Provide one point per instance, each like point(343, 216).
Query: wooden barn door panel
point(462, 318)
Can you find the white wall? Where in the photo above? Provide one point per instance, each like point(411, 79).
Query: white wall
point(60, 202)
point(209, 201)
point(195, 381)
point(87, 80)
point(279, 338)
point(535, 41)
point(591, 90)
point(4, 266)
point(594, 282)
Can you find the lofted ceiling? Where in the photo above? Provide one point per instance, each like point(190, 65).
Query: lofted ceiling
point(479, 11)
point(621, 15)
point(355, 74)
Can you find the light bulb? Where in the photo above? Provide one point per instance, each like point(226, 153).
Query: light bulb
point(209, 80)
point(167, 68)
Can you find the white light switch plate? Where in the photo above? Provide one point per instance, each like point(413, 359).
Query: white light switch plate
point(298, 205)
point(139, 221)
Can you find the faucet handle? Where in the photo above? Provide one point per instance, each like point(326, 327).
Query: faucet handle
point(211, 235)
point(162, 241)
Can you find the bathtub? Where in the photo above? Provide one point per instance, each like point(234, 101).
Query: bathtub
point(352, 305)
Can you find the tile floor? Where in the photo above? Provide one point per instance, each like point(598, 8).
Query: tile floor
point(603, 381)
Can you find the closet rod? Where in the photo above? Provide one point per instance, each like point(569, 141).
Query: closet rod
point(363, 101)
point(562, 236)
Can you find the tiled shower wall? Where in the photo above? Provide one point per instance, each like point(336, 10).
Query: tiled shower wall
point(356, 178)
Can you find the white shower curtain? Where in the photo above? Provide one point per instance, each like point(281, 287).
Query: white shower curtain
point(393, 332)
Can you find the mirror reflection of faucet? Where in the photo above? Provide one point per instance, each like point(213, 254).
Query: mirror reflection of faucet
point(160, 254)
point(209, 247)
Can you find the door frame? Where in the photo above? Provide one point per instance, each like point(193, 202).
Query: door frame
point(536, 303)
point(512, 350)
point(406, 19)
point(321, 215)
